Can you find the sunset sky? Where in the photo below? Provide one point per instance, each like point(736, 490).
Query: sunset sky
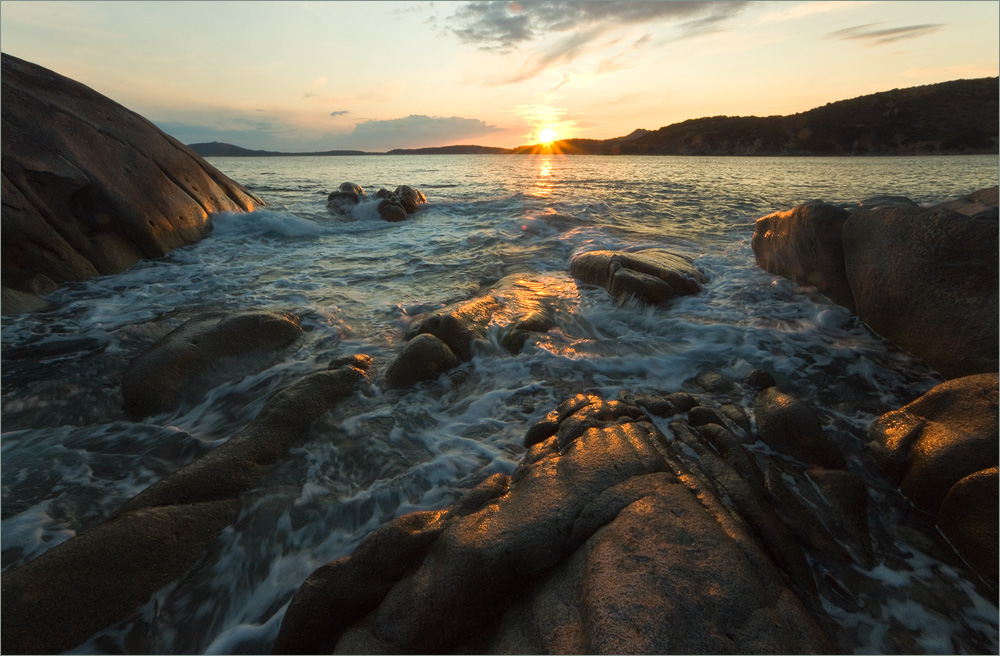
point(311, 76)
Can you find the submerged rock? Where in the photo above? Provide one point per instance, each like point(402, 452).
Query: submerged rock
point(90, 188)
point(515, 310)
point(202, 354)
point(98, 578)
point(653, 276)
point(425, 357)
point(944, 447)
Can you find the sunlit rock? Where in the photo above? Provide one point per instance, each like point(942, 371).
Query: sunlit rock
point(410, 198)
point(600, 542)
point(653, 276)
point(929, 448)
point(927, 279)
point(90, 188)
point(805, 244)
point(202, 354)
point(345, 198)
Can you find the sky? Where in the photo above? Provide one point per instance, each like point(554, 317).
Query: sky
point(373, 76)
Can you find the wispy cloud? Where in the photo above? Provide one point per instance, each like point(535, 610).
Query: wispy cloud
point(339, 112)
point(552, 33)
point(808, 9)
point(884, 35)
point(415, 131)
point(505, 25)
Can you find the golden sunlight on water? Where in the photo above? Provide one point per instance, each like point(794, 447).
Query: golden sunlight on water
point(544, 183)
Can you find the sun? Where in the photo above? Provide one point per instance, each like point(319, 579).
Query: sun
point(547, 135)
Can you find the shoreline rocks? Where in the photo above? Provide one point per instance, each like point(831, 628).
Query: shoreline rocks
point(393, 206)
point(923, 278)
point(90, 188)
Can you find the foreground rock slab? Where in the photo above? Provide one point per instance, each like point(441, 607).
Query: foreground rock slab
point(653, 276)
point(90, 187)
point(600, 542)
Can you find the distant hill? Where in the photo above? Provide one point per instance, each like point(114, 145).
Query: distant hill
point(948, 118)
point(218, 149)
point(452, 150)
point(958, 117)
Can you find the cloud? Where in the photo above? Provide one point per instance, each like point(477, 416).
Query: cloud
point(339, 112)
point(807, 9)
point(554, 33)
point(504, 26)
point(883, 36)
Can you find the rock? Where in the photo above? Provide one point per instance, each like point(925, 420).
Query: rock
point(342, 202)
point(927, 279)
point(886, 201)
point(931, 444)
point(759, 379)
point(15, 302)
point(89, 187)
point(942, 451)
point(983, 202)
point(410, 198)
point(391, 211)
point(425, 357)
point(969, 518)
point(789, 426)
point(202, 354)
point(98, 578)
point(599, 542)
point(351, 188)
point(805, 244)
point(653, 276)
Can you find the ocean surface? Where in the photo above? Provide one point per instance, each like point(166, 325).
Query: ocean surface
point(71, 456)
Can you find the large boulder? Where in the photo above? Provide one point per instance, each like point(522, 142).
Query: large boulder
point(89, 187)
point(203, 353)
point(653, 276)
point(942, 451)
point(805, 244)
point(89, 582)
point(927, 279)
point(600, 542)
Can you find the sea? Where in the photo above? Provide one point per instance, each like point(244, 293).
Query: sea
point(71, 456)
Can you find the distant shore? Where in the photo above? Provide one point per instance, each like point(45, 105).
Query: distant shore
point(948, 118)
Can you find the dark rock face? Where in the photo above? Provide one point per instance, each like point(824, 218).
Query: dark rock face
point(942, 451)
point(805, 244)
point(653, 276)
point(58, 600)
point(924, 278)
point(90, 187)
point(927, 279)
point(202, 354)
point(788, 425)
point(601, 541)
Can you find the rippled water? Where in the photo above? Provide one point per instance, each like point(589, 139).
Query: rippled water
point(70, 455)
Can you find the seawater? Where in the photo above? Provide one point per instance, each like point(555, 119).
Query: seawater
point(71, 457)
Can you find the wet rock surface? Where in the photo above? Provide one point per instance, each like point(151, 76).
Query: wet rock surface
point(653, 276)
point(394, 206)
point(650, 523)
point(203, 353)
point(90, 187)
point(58, 600)
point(942, 451)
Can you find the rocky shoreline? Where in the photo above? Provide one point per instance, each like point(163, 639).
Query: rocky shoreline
point(720, 517)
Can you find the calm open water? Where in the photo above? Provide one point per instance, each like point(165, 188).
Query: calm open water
point(70, 455)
